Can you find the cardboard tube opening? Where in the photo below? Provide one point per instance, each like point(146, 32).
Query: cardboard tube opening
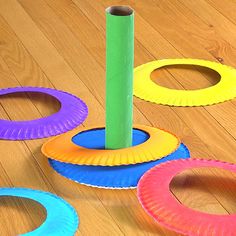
point(120, 10)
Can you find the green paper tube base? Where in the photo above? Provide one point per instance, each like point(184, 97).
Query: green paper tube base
point(119, 76)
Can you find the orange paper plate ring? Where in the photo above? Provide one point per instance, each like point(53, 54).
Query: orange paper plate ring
point(160, 143)
point(156, 198)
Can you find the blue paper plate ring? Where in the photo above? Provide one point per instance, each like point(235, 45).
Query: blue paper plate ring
point(62, 219)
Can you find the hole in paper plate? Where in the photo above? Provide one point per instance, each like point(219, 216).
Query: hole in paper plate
point(185, 77)
point(22, 106)
point(95, 138)
point(20, 215)
point(194, 189)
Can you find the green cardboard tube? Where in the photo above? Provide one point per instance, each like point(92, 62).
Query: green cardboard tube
point(119, 76)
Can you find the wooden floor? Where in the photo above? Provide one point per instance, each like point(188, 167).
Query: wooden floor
point(61, 44)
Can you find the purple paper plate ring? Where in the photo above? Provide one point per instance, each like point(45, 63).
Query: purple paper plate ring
point(73, 112)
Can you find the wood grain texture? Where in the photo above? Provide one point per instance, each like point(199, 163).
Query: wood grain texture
point(61, 44)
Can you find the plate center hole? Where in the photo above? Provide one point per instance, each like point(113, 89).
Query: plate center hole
point(95, 138)
point(28, 106)
point(20, 215)
point(185, 77)
point(195, 189)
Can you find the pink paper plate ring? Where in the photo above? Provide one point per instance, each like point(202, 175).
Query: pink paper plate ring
point(73, 112)
point(155, 197)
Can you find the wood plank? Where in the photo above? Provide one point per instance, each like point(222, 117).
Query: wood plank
point(227, 10)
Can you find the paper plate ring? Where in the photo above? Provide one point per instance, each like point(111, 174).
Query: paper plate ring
point(148, 90)
point(155, 196)
point(159, 144)
point(62, 219)
point(72, 113)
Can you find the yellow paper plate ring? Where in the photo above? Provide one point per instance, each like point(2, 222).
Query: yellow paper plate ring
point(148, 90)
